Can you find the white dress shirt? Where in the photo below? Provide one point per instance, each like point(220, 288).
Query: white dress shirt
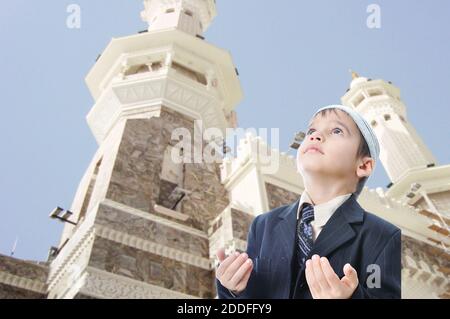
point(322, 212)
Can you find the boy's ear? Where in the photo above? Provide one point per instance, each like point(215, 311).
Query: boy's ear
point(365, 166)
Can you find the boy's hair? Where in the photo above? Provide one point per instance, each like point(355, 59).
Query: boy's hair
point(363, 148)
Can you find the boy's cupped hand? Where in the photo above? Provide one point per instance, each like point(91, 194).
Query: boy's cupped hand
point(324, 283)
point(234, 271)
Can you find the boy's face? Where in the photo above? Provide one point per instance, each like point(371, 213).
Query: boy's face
point(337, 139)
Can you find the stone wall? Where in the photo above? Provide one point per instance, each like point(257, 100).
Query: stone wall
point(11, 292)
point(135, 187)
point(136, 176)
point(425, 269)
point(21, 279)
point(278, 196)
point(241, 223)
point(151, 231)
point(429, 254)
point(150, 268)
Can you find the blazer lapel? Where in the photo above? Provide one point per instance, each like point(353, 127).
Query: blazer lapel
point(286, 229)
point(337, 231)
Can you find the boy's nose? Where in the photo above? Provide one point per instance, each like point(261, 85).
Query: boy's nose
point(315, 137)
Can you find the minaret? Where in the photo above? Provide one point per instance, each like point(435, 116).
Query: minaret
point(142, 219)
point(401, 148)
point(416, 178)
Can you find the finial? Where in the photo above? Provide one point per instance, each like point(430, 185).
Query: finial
point(354, 74)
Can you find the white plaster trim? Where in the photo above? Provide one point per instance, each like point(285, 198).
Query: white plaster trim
point(76, 259)
point(263, 191)
point(152, 247)
point(421, 238)
point(238, 173)
point(23, 283)
point(405, 217)
point(76, 243)
point(102, 284)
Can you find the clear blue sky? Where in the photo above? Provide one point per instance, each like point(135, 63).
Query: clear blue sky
point(293, 56)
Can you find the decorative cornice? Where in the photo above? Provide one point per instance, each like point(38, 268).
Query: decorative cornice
point(84, 236)
point(154, 218)
point(23, 283)
point(152, 247)
point(102, 284)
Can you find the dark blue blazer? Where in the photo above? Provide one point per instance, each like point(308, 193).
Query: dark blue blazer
point(351, 235)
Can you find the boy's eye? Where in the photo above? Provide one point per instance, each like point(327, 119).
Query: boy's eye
point(334, 130)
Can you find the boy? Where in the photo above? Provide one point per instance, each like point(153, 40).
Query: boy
point(323, 245)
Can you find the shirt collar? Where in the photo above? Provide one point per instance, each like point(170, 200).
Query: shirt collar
point(323, 211)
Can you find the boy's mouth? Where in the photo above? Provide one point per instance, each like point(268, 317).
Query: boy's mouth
point(313, 149)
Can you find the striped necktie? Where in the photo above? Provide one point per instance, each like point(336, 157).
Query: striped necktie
point(305, 233)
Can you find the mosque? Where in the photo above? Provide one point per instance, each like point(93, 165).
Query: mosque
point(143, 226)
